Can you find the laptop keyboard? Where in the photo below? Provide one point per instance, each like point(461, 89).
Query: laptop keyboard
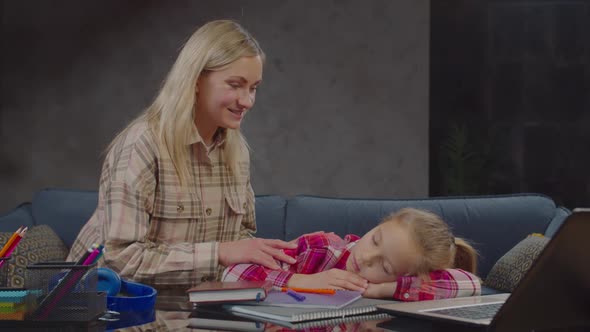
point(482, 311)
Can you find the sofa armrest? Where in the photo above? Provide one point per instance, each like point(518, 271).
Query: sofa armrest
point(65, 211)
point(560, 214)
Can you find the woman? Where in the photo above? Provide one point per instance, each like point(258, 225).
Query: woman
point(175, 201)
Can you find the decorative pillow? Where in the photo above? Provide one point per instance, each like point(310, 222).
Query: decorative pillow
point(40, 244)
point(510, 268)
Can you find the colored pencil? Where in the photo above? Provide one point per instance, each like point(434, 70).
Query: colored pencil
point(86, 254)
point(14, 243)
point(9, 242)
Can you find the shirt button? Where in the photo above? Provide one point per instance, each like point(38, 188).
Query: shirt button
point(203, 279)
point(406, 295)
point(244, 205)
point(208, 211)
point(180, 208)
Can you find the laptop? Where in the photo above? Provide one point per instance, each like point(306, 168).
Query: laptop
point(553, 294)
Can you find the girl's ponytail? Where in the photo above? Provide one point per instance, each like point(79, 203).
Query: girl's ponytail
point(465, 256)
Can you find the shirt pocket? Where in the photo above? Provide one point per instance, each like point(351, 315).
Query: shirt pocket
point(183, 205)
point(236, 202)
point(236, 209)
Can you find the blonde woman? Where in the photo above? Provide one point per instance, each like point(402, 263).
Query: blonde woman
point(175, 201)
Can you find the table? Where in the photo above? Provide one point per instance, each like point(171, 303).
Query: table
point(172, 314)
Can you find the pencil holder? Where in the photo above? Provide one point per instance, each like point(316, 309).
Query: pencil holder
point(66, 292)
point(4, 271)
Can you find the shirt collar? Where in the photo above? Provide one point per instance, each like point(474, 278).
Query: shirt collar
point(219, 137)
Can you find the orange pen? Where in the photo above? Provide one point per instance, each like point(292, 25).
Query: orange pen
point(311, 290)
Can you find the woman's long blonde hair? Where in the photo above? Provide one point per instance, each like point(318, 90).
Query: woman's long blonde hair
point(171, 115)
point(439, 249)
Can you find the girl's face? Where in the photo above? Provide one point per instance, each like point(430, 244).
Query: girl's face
point(384, 253)
point(225, 95)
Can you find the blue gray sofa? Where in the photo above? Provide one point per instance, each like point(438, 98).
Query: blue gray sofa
point(494, 223)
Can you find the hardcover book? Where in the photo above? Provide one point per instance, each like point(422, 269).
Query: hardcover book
point(235, 291)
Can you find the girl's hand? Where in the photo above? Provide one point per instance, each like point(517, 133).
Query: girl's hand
point(333, 278)
point(257, 251)
point(380, 291)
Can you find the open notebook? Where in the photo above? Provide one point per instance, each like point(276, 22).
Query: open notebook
point(338, 300)
point(298, 314)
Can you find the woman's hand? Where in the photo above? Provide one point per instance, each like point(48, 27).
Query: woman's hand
point(380, 291)
point(256, 251)
point(333, 278)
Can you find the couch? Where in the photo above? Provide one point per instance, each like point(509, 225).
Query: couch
point(494, 224)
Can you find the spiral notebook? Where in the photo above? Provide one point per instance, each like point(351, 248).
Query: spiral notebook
point(297, 314)
point(329, 322)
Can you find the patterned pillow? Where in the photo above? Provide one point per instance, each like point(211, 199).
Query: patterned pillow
point(510, 268)
point(40, 244)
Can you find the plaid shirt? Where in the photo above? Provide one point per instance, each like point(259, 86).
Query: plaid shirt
point(321, 251)
point(156, 232)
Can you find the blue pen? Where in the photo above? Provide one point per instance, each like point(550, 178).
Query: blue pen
point(295, 295)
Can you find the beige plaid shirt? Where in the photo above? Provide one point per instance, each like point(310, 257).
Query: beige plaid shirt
point(153, 230)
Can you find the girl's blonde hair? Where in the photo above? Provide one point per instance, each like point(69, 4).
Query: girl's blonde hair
point(171, 115)
point(439, 249)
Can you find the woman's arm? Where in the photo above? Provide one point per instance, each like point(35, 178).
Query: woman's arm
point(305, 273)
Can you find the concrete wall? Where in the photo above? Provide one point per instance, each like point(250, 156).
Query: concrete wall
point(343, 110)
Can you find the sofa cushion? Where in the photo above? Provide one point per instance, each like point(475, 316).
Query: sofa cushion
point(66, 211)
point(511, 267)
point(20, 216)
point(494, 224)
point(40, 244)
point(270, 216)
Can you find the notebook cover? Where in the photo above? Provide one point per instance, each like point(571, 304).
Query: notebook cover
point(293, 315)
point(234, 291)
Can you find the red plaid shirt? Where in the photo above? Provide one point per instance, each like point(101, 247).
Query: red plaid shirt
point(317, 252)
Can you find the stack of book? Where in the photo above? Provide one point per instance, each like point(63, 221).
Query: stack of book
point(254, 306)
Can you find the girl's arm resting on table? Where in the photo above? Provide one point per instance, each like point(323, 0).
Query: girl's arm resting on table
point(443, 284)
point(333, 279)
